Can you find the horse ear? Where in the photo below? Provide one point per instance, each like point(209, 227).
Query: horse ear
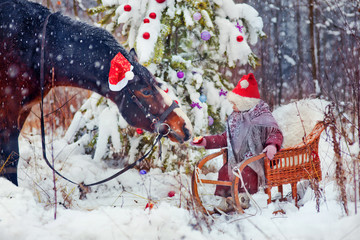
point(133, 54)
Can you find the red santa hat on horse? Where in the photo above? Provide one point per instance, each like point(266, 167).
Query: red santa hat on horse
point(120, 73)
point(246, 93)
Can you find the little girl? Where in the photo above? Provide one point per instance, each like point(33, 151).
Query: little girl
point(250, 130)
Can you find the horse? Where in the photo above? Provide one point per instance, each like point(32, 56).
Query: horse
point(40, 50)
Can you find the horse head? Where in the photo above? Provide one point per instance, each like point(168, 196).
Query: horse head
point(143, 104)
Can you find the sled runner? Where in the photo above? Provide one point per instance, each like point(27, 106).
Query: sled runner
point(289, 166)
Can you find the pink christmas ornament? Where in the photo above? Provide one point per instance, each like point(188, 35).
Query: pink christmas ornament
point(197, 16)
point(210, 120)
point(205, 35)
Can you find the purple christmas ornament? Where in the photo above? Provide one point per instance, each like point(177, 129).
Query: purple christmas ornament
point(205, 35)
point(210, 120)
point(143, 172)
point(197, 16)
point(180, 74)
point(222, 92)
point(195, 105)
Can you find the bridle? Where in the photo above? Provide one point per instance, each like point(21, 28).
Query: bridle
point(157, 123)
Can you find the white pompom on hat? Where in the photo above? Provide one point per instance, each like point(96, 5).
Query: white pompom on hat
point(246, 93)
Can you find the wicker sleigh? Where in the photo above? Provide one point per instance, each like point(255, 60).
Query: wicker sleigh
point(289, 166)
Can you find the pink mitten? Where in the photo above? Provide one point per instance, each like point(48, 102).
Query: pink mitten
point(199, 142)
point(270, 151)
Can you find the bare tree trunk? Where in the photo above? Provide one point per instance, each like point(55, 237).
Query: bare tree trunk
point(299, 78)
point(355, 184)
point(357, 80)
point(264, 91)
point(312, 42)
point(318, 54)
point(339, 169)
point(263, 52)
point(278, 43)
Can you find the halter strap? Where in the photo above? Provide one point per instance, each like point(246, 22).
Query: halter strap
point(156, 122)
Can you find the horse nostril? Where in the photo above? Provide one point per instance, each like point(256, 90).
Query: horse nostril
point(187, 133)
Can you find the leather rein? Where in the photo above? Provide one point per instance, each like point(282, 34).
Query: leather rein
point(156, 123)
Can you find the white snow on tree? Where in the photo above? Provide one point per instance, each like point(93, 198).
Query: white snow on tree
point(189, 46)
point(96, 113)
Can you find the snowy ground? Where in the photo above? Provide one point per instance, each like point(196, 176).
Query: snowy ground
point(117, 209)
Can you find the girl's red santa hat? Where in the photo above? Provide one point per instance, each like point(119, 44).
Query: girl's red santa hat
point(246, 93)
point(120, 72)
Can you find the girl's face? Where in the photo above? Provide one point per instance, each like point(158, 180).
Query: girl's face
point(235, 108)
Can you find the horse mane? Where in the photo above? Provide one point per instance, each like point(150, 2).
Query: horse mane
point(100, 34)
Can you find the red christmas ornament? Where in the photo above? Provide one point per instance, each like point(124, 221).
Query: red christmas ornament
point(239, 38)
point(152, 15)
point(127, 8)
point(139, 131)
point(176, 102)
point(146, 35)
point(166, 90)
point(146, 20)
point(160, 1)
point(171, 193)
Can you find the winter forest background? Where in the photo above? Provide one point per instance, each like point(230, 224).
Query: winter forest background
point(305, 49)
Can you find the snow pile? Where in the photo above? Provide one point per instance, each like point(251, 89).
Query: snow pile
point(23, 218)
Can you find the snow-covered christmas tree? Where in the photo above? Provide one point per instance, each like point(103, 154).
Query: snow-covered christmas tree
point(190, 47)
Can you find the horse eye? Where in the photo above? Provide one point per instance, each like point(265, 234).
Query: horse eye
point(146, 92)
